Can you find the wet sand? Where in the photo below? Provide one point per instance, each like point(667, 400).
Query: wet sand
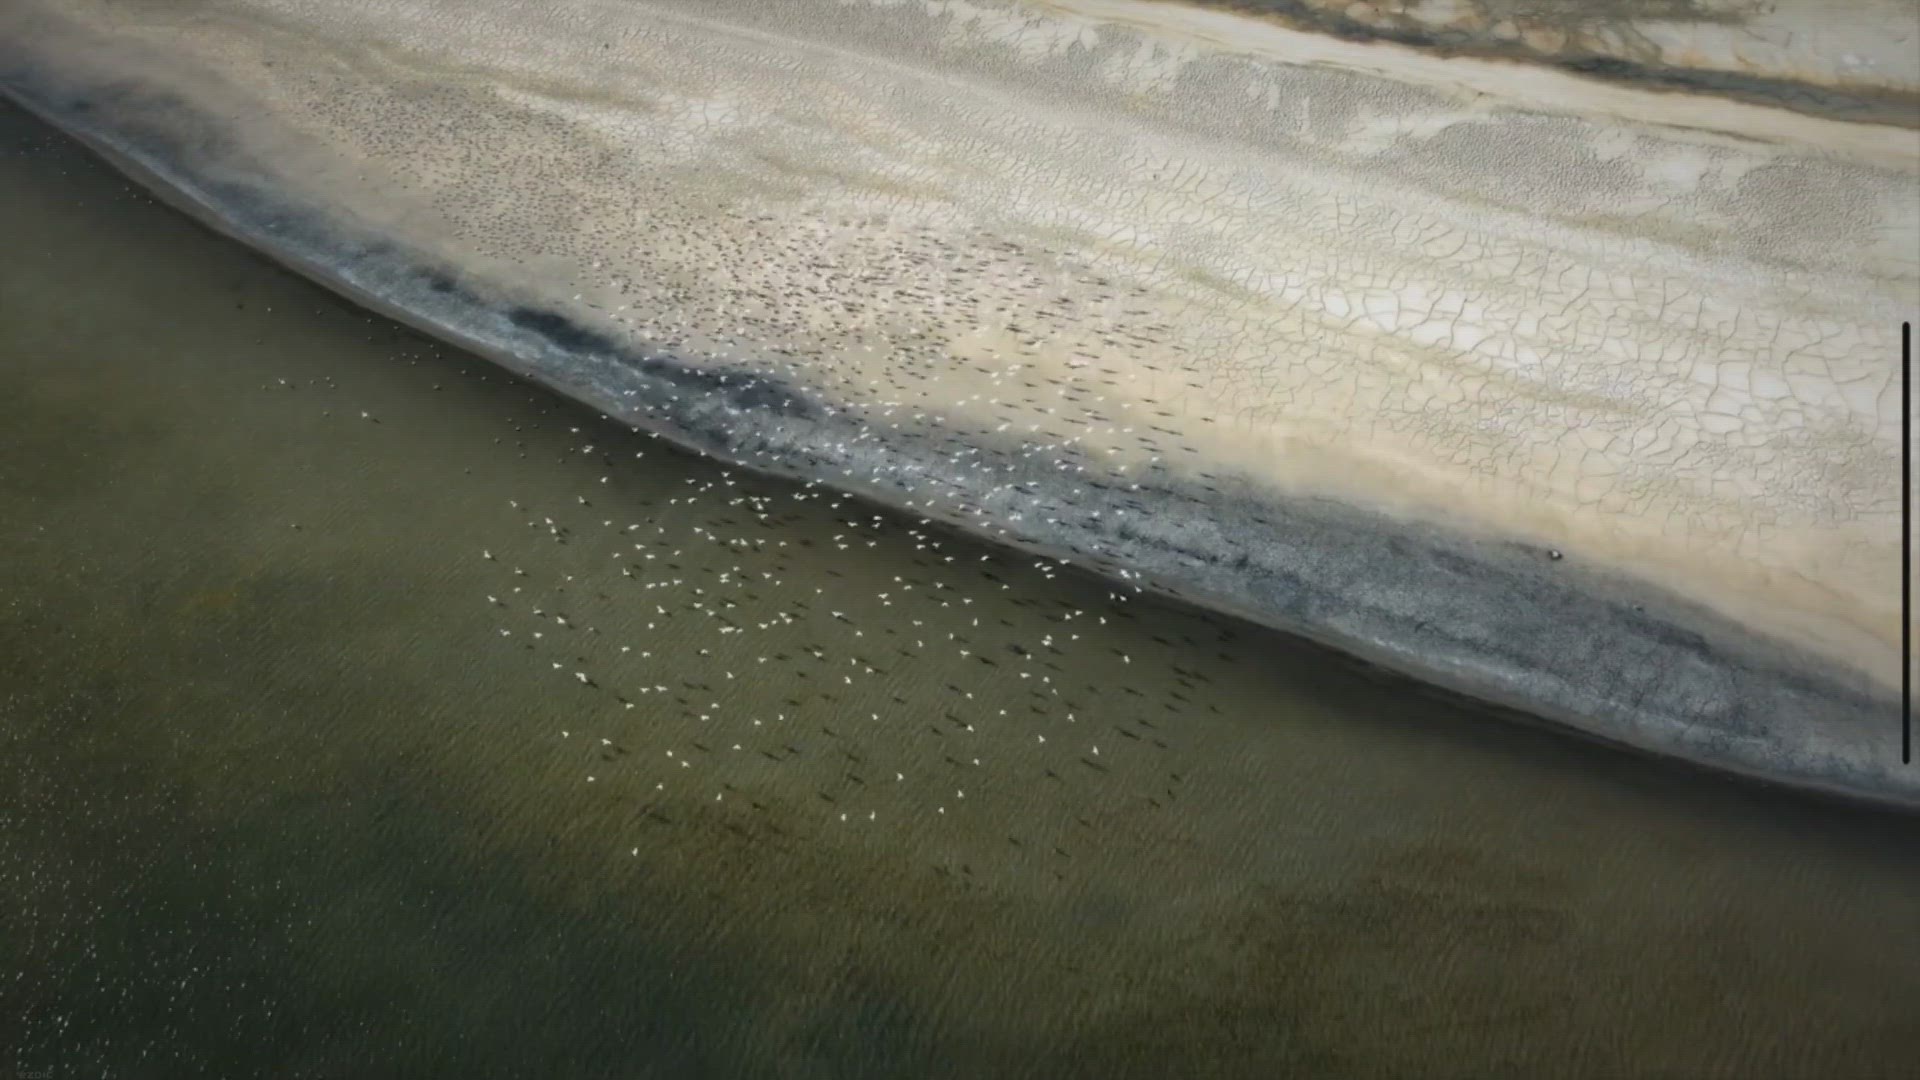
point(1570, 396)
point(283, 800)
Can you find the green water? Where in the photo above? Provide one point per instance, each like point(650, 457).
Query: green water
point(295, 782)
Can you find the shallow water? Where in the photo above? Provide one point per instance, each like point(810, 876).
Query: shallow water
point(297, 782)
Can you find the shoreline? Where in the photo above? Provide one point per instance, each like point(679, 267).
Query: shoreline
point(1498, 622)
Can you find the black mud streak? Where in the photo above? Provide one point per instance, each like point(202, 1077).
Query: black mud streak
point(559, 331)
point(1861, 104)
point(1502, 623)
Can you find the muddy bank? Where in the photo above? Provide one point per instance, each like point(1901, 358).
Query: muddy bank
point(1564, 632)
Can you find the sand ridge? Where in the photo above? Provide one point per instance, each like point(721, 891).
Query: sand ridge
point(1857, 64)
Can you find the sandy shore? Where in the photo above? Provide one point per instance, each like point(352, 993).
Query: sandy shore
point(1577, 400)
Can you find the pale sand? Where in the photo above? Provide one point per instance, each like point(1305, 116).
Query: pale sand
point(1656, 331)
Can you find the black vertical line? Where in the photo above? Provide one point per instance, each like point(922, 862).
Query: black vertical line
point(1906, 543)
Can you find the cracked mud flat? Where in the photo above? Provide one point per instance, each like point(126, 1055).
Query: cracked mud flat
point(1373, 330)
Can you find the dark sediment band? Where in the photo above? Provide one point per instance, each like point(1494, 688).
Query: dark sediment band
point(1858, 104)
point(1504, 623)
